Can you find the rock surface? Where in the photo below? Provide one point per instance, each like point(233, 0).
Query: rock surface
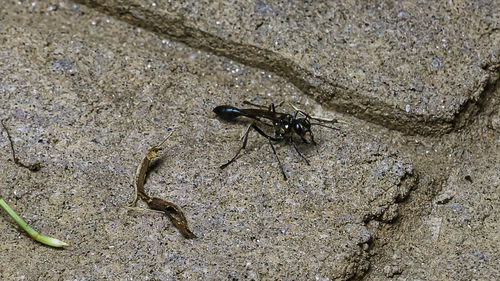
point(419, 68)
point(88, 95)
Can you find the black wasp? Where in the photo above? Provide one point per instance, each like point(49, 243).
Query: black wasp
point(285, 126)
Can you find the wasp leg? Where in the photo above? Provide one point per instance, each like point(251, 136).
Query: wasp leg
point(300, 153)
point(245, 139)
point(271, 107)
point(262, 133)
point(271, 139)
point(277, 158)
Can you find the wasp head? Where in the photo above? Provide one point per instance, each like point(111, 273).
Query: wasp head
point(302, 126)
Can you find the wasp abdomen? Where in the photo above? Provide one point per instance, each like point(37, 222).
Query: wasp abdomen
point(227, 112)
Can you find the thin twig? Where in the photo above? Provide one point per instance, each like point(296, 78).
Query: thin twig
point(32, 167)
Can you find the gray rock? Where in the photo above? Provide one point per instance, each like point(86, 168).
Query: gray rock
point(87, 96)
point(417, 68)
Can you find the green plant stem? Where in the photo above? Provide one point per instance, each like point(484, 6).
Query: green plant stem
point(53, 242)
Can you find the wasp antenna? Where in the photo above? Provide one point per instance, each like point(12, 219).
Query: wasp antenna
point(294, 107)
point(297, 110)
point(333, 120)
point(326, 126)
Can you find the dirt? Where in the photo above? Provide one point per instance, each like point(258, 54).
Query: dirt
point(87, 95)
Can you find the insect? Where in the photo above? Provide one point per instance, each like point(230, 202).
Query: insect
point(285, 126)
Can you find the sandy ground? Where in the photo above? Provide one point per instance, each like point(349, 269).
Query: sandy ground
point(87, 92)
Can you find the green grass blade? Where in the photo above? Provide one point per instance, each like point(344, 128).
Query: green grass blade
point(53, 242)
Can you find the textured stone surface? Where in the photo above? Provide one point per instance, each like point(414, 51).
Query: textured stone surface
point(450, 230)
point(418, 67)
point(87, 96)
